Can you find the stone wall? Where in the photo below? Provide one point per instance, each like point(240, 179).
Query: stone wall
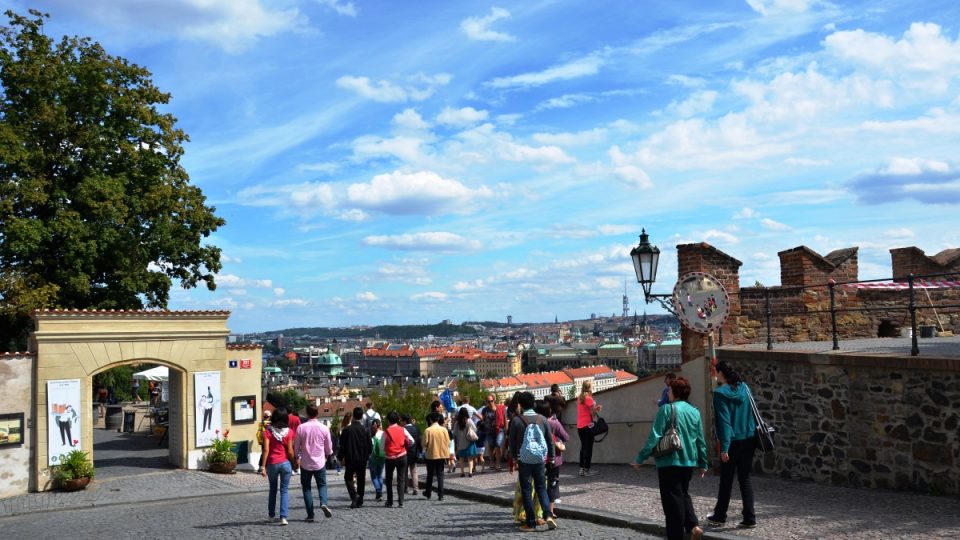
point(16, 388)
point(871, 422)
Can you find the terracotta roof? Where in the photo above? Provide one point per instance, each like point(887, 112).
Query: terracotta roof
point(243, 347)
point(149, 312)
point(587, 371)
point(625, 375)
point(15, 354)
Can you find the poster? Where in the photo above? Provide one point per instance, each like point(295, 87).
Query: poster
point(64, 432)
point(206, 387)
point(11, 429)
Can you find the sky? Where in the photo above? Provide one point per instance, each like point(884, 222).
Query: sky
point(384, 162)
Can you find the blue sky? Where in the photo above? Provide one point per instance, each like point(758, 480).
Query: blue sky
point(387, 162)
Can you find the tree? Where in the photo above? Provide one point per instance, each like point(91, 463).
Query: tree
point(95, 209)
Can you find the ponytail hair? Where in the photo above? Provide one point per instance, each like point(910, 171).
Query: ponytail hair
point(729, 373)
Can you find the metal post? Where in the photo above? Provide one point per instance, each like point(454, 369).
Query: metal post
point(833, 314)
point(914, 346)
point(766, 294)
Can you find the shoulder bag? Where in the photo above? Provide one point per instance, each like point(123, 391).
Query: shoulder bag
point(763, 437)
point(670, 441)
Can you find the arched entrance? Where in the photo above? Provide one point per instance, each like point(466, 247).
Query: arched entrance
point(72, 346)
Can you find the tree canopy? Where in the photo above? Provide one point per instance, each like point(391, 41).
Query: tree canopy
point(96, 211)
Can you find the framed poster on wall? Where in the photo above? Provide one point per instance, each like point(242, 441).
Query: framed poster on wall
point(206, 387)
point(243, 410)
point(11, 429)
point(64, 432)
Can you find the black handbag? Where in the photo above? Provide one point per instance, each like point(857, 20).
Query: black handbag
point(763, 437)
point(670, 441)
point(599, 429)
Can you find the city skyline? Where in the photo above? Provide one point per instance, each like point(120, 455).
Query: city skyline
point(380, 163)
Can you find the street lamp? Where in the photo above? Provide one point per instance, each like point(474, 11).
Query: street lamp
point(646, 258)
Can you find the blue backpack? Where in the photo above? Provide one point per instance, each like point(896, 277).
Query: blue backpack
point(533, 450)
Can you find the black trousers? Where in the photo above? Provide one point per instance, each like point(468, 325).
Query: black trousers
point(65, 435)
point(400, 466)
point(586, 446)
point(739, 464)
point(435, 469)
point(355, 478)
point(553, 482)
point(675, 498)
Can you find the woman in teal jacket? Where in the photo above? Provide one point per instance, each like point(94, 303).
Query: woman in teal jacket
point(675, 470)
point(735, 428)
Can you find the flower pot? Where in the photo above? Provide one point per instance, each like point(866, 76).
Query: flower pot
point(223, 467)
point(75, 484)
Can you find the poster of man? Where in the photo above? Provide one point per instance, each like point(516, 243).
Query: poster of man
point(207, 395)
point(64, 432)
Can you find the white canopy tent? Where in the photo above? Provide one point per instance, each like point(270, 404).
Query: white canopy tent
point(160, 374)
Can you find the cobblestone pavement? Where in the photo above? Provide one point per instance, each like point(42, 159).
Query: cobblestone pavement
point(241, 515)
point(785, 509)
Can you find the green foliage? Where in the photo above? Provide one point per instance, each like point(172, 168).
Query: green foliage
point(473, 390)
point(412, 400)
point(75, 464)
point(221, 450)
point(294, 400)
point(120, 379)
point(413, 331)
point(95, 209)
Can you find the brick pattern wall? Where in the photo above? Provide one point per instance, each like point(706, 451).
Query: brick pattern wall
point(859, 421)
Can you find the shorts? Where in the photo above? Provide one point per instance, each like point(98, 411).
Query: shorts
point(493, 442)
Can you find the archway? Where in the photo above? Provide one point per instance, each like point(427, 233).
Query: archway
point(72, 346)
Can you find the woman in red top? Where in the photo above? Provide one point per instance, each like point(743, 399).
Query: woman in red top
point(395, 446)
point(275, 462)
point(587, 409)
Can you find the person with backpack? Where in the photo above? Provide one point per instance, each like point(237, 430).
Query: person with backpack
point(378, 458)
point(675, 467)
point(549, 410)
point(413, 454)
point(531, 441)
point(369, 416)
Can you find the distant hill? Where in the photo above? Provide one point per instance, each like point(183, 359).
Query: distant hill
point(409, 331)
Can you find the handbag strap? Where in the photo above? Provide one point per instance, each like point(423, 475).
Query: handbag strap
point(753, 407)
point(673, 416)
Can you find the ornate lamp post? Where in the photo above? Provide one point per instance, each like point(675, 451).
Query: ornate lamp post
point(646, 258)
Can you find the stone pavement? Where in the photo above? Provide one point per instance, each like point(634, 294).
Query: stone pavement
point(785, 509)
point(191, 504)
point(938, 347)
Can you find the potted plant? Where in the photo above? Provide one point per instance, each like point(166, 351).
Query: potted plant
point(74, 472)
point(220, 456)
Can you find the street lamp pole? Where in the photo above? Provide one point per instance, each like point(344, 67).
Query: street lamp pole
point(646, 259)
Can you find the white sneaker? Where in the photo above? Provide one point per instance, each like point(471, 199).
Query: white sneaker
point(558, 501)
point(283, 521)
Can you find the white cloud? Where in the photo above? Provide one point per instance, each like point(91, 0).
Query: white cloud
point(432, 295)
point(478, 28)
point(406, 272)
point(744, 213)
point(774, 7)
point(805, 162)
point(224, 258)
point(722, 236)
point(929, 181)
point(367, 296)
point(466, 116)
point(772, 225)
point(462, 286)
point(411, 120)
point(305, 198)
point(486, 143)
point(899, 234)
point(418, 88)
point(321, 168)
point(614, 230)
point(424, 241)
point(582, 67)
point(342, 8)
point(409, 148)
point(232, 281)
point(581, 138)
point(288, 302)
point(697, 103)
point(625, 168)
point(423, 192)
point(279, 291)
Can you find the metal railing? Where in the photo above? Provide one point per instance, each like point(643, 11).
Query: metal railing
point(831, 286)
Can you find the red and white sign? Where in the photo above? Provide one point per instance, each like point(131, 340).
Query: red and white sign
point(246, 363)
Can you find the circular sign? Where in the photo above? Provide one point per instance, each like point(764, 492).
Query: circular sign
point(701, 302)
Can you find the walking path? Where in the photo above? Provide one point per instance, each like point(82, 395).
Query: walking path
point(618, 496)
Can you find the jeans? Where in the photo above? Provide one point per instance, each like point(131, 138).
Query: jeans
point(376, 477)
point(740, 463)
point(537, 474)
point(305, 478)
point(400, 465)
point(586, 446)
point(675, 498)
point(281, 471)
point(355, 479)
point(435, 469)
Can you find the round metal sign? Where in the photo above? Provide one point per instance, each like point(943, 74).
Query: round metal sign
point(701, 302)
